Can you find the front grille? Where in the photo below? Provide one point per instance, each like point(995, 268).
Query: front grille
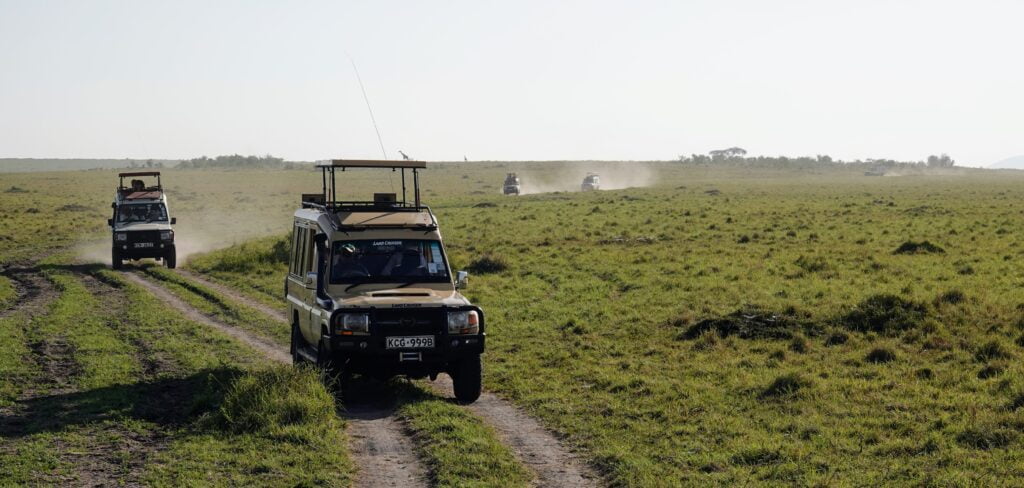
point(143, 236)
point(409, 321)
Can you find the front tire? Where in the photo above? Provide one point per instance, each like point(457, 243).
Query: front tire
point(171, 258)
point(115, 259)
point(296, 344)
point(467, 379)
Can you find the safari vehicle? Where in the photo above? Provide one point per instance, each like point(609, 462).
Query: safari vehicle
point(140, 225)
point(512, 184)
point(370, 292)
point(591, 182)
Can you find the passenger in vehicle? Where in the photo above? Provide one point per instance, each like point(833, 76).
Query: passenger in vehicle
point(346, 263)
point(406, 262)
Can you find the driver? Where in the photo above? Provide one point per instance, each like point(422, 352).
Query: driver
point(346, 262)
point(407, 261)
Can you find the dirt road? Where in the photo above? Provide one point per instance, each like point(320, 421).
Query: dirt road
point(379, 440)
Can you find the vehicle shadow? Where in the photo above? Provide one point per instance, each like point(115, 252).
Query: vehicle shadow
point(167, 402)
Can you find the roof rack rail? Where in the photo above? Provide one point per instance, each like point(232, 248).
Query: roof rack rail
point(386, 202)
point(137, 189)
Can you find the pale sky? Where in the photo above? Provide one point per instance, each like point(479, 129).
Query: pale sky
point(512, 80)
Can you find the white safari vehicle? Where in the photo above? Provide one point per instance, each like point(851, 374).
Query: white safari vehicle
point(512, 184)
point(141, 225)
point(591, 182)
point(370, 291)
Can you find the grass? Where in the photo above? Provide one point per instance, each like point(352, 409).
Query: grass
point(8, 294)
point(458, 447)
point(115, 383)
point(587, 318)
point(639, 325)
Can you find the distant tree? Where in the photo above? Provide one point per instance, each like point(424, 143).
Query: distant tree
point(943, 161)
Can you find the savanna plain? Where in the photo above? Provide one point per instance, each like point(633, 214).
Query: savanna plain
point(715, 326)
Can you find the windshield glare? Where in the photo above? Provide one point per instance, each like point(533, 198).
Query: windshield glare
point(388, 261)
point(142, 212)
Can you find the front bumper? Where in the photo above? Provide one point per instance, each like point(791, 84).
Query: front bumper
point(129, 251)
point(369, 353)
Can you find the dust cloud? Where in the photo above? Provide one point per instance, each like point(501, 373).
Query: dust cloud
point(568, 178)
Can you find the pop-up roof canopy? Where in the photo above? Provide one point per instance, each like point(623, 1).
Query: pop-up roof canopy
point(381, 201)
point(138, 190)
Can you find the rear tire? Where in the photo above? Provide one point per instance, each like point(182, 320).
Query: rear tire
point(171, 258)
point(115, 259)
point(296, 344)
point(467, 379)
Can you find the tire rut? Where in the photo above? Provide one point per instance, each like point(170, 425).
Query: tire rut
point(266, 348)
point(384, 452)
point(235, 295)
point(535, 446)
point(34, 291)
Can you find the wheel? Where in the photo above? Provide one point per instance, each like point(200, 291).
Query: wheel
point(296, 344)
point(324, 359)
point(171, 258)
point(467, 379)
point(115, 259)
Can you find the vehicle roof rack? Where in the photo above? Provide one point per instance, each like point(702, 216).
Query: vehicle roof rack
point(330, 201)
point(139, 191)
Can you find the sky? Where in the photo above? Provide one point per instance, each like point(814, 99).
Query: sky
point(524, 80)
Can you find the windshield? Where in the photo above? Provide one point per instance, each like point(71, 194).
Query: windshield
point(388, 261)
point(142, 212)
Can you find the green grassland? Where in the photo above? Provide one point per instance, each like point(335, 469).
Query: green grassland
point(730, 328)
point(723, 326)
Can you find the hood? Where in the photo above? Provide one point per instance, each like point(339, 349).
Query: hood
point(131, 226)
point(390, 297)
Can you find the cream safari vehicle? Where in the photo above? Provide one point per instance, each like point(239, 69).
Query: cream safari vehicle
point(370, 291)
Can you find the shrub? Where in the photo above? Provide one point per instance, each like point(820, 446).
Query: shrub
point(952, 297)
point(885, 314)
point(757, 456)
point(487, 264)
point(271, 401)
point(799, 345)
point(923, 247)
point(812, 264)
point(753, 322)
point(1017, 402)
point(990, 371)
point(924, 374)
point(836, 339)
point(991, 350)
point(786, 385)
point(986, 437)
point(880, 355)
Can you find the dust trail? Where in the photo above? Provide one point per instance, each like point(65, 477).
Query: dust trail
point(569, 177)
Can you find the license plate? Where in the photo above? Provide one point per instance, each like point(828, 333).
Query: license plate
point(143, 244)
point(409, 342)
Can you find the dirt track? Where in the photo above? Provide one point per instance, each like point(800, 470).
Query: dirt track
point(385, 455)
point(379, 442)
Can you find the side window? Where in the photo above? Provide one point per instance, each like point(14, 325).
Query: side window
point(293, 266)
point(310, 248)
point(300, 266)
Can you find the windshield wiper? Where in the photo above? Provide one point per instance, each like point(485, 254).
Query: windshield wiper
point(353, 285)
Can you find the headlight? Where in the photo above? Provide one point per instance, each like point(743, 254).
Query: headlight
point(353, 322)
point(166, 235)
point(467, 322)
point(121, 236)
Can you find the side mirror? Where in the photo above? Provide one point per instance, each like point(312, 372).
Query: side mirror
point(113, 205)
point(174, 220)
point(110, 222)
point(461, 280)
point(310, 280)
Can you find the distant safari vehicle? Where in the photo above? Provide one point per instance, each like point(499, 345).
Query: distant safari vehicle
point(370, 292)
point(876, 171)
point(591, 182)
point(141, 226)
point(512, 184)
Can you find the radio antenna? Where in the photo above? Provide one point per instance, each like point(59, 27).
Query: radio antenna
point(368, 108)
